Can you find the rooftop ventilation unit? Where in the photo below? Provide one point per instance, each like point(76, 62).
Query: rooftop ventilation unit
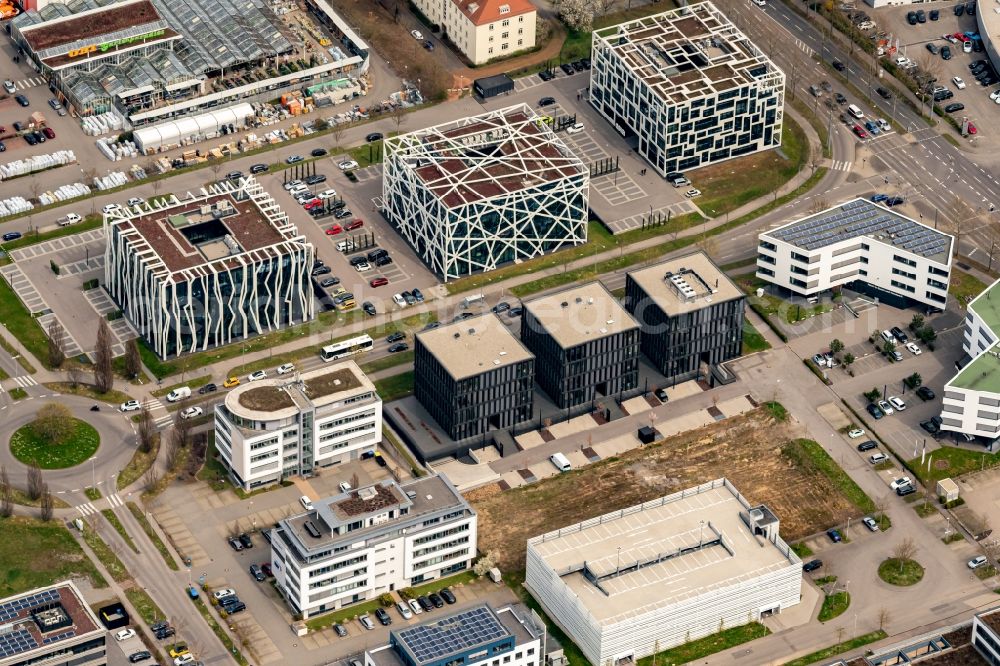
point(564, 304)
point(456, 335)
point(367, 494)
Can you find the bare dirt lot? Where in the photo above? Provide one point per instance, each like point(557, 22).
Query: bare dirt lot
point(759, 454)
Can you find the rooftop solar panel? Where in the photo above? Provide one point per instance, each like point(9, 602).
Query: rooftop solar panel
point(462, 631)
point(12, 609)
point(16, 642)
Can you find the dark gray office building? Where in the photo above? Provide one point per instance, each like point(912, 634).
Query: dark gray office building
point(690, 314)
point(586, 345)
point(473, 376)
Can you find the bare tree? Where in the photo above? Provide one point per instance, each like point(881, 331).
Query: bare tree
point(104, 372)
point(904, 551)
point(35, 482)
point(337, 132)
point(146, 432)
point(883, 618)
point(75, 374)
point(6, 494)
point(57, 352)
point(355, 481)
point(182, 431)
point(47, 506)
point(133, 361)
point(150, 478)
point(960, 219)
point(881, 509)
point(398, 116)
point(171, 458)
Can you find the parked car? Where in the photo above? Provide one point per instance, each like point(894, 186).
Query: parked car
point(902, 491)
point(404, 610)
point(875, 412)
point(415, 606)
point(395, 337)
point(136, 657)
point(546, 101)
point(22, 100)
point(867, 445)
point(347, 164)
point(913, 348)
point(257, 573)
point(341, 630)
point(235, 544)
point(898, 333)
point(293, 159)
point(897, 403)
point(191, 412)
point(977, 561)
point(878, 458)
point(318, 152)
point(124, 634)
point(398, 347)
point(834, 536)
point(425, 603)
point(930, 427)
point(231, 382)
point(448, 596)
point(130, 406)
point(886, 408)
point(373, 136)
point(925, 393)
point(870, 523)
point(258, 168)
point(256, 376)
point(812, 565)
point(383, 617)
point(366, 622)
point(245, 540)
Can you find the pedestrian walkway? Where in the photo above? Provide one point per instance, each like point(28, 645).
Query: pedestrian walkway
point(34, 81)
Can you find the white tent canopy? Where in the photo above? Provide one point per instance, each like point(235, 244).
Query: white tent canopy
point(172, 133)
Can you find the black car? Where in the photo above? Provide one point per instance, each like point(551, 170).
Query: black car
point(329, 282)
point(321, 270)
point(418, 295)
point(577, 65)
point(935, 15)
point(515, 312)
point(547, 101)
point(925, 393)
point(875, 411)
point(337, 205)
point(905, 489)
point(839, 66)
point(30, 139)
point(970, 9)
point(395, 337)
point(952, 108)
point(502, 306)
point(258, 168)
point(208, 388)
point(235, 544)
point(988, 81)
point(931, 427)
point(398, 347)
point(911, 18)
point(12, 235)
point(376, 253)
point(136, 657)
point(893, 201)
point(567, 68)
point(840, 98)
point(430, 326)
point(546, 75)
point(942, 95)
point(408, 297)
point(39, 137)
point(867, 446)
point(812, 565)
point(341, 630)
point(921, 16)
point(448, 596)
point(384, 260)
point(237, 607)
point(318, 152)
point(257, 573)
point(315, 179)
point(959, 10)
point(429, 45)
point(898, 333)
point(946, 53)
point(383, 617)
point(162, 624)
point(22, 100)
point(234, 175)
point(3, 148)
point(374, 136)
point(883, 93)
point(586, 63)
point(425, 603)
point(246, 540)
point(369, 308)
point(932, 48)
point(166, 632)
point(358, 260)
point(436, 600)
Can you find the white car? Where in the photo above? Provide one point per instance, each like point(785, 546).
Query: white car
point(124, 634)
point(692, 193)
point(855, 433)
point(347, 165)
point(306, 503)
point(995, 95)
point(404, 610)
point(8, 85)
point(884, 125)
point(959, 83)
point(976, 562)
point(913, 348)
point(399, 300)
point(254, 376)
point(327, 194)
point(134, 201)
point(897, 403)
point(760, 3)
point(885, 407)
point(417, 35)
point(183, 659)
point(573, 129)
point(130, 406)
point(286, 368)
point(224, 592)
point(292, 184)
point(361, 268)
point(192, 412)
point(897, 483)
point(345, 487)
point(967, 47)
point(415, 606)
point(888, 336)
point(110, 208)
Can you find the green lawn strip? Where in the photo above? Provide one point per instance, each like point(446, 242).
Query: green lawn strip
point(18, 393)
point(192, 384)
point(116, 523)
point(395, 387)
point(220, 632)
point(753, 341)
point(213, 472)
point(119, 367)
point(964, 287)
point(4, 375)
point(709, 645)
point(822, 129)
point(578, 44)
point(26, 446)
point(113, 397)
point(982, 573)
point(88, 223)
point(22, 325)
point(16, 355)
point(34, 554)
point(462, 578)
point(949, 461)
point(92, 493)
point(144, 605)
point(21, 497)
point(807, 453)
point(105, 555)
point(833, 650)
point(403, 451)
point(834, 605)
point(390, 361)
point(341, 616)
point(776, 410)
point(900, 572)
point(137, 466)
point(802, 550)
point(147, 527)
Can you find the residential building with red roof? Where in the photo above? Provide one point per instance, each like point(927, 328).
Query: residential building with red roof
point(484, 29)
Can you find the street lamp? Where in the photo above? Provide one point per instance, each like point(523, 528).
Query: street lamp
point(93, 473)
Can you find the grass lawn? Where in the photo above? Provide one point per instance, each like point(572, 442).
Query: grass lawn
point(144, 605)
point(776, 410)
point(23, 362)
point(925, 509)
point(802, 550)
point(106, 556)
point(116, 523)
point(949, 461)
point(112, 397)
point(137, 466)
point(964, 287)
point(21, 324)
point(703, 647)
point(982, 573)
point(192, 384)
point(900, 572)
point(395, 387)
point(808, 453)
point(33, 554)
point(753, 341)
point(343, 615)
point(18, 393)
point(390, 361)
point(92, 493)
point(834, 605)
point(846, 646)
point(462, 578)
point(147, 527)
point(27, 446)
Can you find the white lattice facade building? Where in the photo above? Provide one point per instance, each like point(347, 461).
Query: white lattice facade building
point(208, 270)
point(480, 192)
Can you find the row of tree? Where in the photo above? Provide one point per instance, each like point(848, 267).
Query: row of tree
point(38, 491)
point(104, 370)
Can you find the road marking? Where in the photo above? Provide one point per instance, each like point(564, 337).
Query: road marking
point(86, 509)
point(115, 501)
point(25, 381)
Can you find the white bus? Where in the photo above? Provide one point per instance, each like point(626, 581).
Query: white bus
point(349, 347)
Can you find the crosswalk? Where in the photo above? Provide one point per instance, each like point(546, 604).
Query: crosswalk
point(805, 48)
point(24, 84)
point(153, 405)
point(23, 382)
point(88, 508)
point(840, 165)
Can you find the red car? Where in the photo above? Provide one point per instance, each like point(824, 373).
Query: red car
point(379, 282)
point(355, 224)
point(972, 129)
point(49, 134)
point(334, 230)
point(309, 205)
point(862, 134)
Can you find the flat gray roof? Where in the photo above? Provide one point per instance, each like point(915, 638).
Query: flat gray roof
point(861, 217)
point(473, 346)
point(676, 526)
point(580, 314)
point(685, 284)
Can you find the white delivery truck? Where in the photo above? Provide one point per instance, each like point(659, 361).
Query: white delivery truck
point(179, 394)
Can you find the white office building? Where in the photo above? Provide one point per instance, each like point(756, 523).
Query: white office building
point(663, 573)
point(863, 246)
point(688, 87)
point(292, 424)
point(476, 193)
point(971, 401)
point(355, 546)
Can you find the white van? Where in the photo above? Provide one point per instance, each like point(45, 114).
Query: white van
point(179, 394)
point(306, 503)
point(561, 462)
point(855, 111)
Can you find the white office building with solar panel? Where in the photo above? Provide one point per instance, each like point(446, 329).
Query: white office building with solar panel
point(863, 246)
point(475, 636)
point(51, 625)
point(663, 573)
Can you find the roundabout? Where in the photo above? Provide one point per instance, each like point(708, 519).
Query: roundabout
point(55, 439)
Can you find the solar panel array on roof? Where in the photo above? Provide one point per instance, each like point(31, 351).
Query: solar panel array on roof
point(11, 609)
point(462, 631)
point(58, 637)
point(16, 642)
point(863, 218)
